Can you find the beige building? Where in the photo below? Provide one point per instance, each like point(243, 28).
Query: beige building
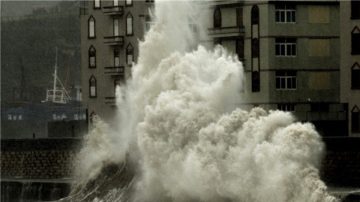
point(350, 62)
point(291, 54)
point(110, 31)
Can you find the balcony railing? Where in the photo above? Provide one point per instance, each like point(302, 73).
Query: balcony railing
point(113, 10)
point(115, 71)
point(110, 100)
point(114, 40)
point(227, 31)
point(317, 116)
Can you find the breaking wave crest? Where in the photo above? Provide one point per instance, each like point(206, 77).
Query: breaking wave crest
point(182, 135)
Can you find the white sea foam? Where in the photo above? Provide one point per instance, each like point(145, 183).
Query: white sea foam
point(179, 119)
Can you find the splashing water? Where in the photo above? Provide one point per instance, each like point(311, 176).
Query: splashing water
point(186, 137)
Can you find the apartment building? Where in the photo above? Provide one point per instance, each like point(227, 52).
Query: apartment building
point(291, 55)
point(350, 62)
point(110, 31)
point(296, 55)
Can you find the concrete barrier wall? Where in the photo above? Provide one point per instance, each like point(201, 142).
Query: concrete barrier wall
point(54, 158)
point(38, 158)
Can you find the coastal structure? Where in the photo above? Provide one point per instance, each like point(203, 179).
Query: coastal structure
point(350, 63)
point(291, 56)
point(110, 31)
point(295, 57)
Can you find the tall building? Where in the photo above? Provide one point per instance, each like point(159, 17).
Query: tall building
point(350, 62)
point(110, 31)
point(291, 56)
point(292, 52)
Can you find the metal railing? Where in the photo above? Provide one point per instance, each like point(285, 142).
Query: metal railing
point(110, 100)
point(113, 10)
point(227, 31)
point(315, 116)
point(114, 40)
point(115, 70)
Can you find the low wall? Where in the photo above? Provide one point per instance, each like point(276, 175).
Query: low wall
point(13, 191)
point(54, 158)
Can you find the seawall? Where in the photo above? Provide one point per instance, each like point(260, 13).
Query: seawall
point(41, 169)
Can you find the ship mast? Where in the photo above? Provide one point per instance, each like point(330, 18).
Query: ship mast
point(55, 76)
point(58, 94)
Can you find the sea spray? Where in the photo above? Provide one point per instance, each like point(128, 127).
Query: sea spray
point(96, 153)
point(181, 125)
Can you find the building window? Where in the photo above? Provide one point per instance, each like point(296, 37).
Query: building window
point(9, 117)
point(92, 57)
point(319, 107)
point(129, 24)
point(355, 76)
point(285, 13)
point(285, 46)
point(287, 107)
point(83, 7)
point(129, 54)
point(20, 117)
point(255, 15)
point(255, 81)
point(355, 9)
point(285, 80)
point(240, 48)
point(116, 26)
point(97, 4)
point(355, 41)
point(116, 57)
point(91, 27)
point(217, 17)
point(116, 3)
point(92, 87)
point(355, 119)
point(255, 48)
point(128, 2)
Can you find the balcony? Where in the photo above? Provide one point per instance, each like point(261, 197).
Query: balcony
point(110, 100)
point(113, 10)
point(326, 116)
point(115, 71)
point(223, 32)
point(114, 40)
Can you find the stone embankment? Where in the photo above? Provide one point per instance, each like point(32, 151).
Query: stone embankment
point(38, 158)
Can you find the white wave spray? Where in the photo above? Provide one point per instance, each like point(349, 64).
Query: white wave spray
point(179, 122)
